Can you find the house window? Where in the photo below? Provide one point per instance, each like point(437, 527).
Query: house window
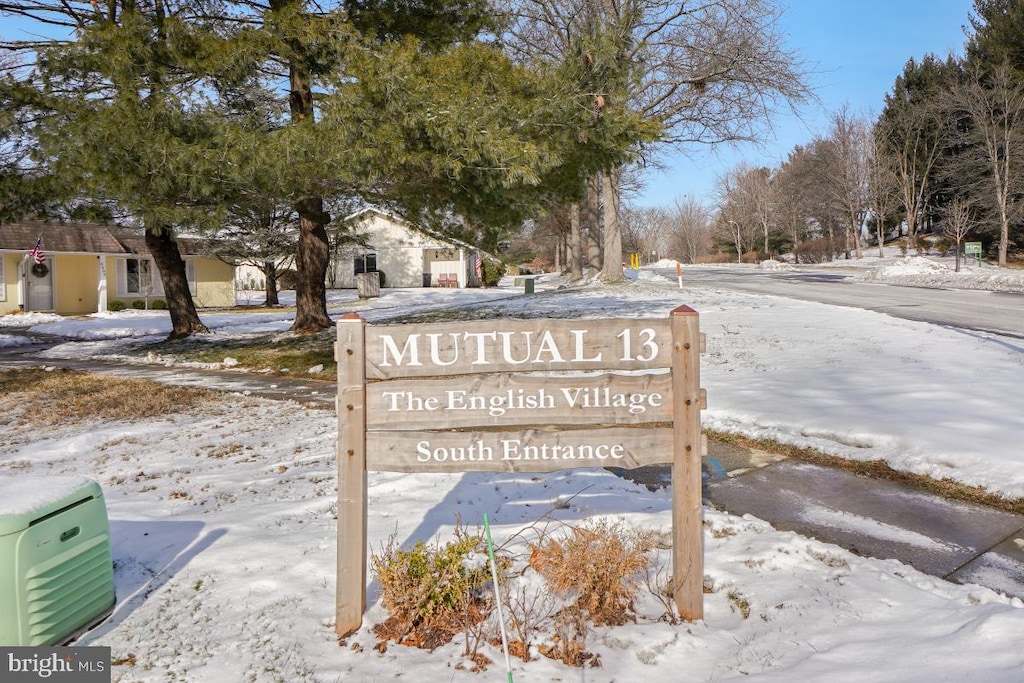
point(138, 276)
point(365, 263)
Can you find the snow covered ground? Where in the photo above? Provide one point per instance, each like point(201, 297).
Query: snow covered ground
point(224, 535)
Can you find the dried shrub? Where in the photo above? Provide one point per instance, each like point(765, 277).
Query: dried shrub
point(526, 612)
point(814, 251)
point(659, 583)
point(567, 643)
point(432, 593)
point(600, 564)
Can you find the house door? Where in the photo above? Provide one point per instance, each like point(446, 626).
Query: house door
point(39, 286)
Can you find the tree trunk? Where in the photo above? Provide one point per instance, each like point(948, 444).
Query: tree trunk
point(1004, 224)
point(270, 277)
point(313, 252)
point(612, 271)
point(575, 247)
point(881, 235)
point(184, 318)
point(311, 259)
point(590, 218)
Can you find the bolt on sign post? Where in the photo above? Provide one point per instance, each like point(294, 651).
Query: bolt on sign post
point(521, 404)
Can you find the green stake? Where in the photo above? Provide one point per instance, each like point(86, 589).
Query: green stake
point(497, 597)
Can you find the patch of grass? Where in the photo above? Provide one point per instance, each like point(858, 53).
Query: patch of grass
point(285, 355)
point(740, 603)
point(279, 361)
point(877, 469)
point(68, 396)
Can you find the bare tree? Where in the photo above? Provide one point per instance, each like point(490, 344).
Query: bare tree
point(882, 191)
point(846, 172)
point(757, 184)
point(746, 203)
point(794, 188)
point(689, 230)
point(645, 230)
point(994, 101)
point(263, 235)
point(958, 223)
point(708, 72)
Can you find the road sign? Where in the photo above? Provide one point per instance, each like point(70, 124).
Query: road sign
point(972, 248)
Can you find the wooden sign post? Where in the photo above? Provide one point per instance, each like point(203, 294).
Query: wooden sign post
point(400, 411)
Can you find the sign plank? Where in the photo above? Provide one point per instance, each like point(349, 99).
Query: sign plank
point(532, 450)
point(509, 400)
point(501, 345)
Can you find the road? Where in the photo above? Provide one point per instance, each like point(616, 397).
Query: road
point(995, 312)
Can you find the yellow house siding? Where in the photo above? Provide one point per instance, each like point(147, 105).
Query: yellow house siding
point(9, 284)
point(215, 283)
point(76, 277)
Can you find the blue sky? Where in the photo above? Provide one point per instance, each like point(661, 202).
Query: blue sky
point(855, 49)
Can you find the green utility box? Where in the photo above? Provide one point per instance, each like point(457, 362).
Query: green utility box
point(56, 570)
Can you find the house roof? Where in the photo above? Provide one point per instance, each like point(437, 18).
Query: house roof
point(81, 238)
point(59, 237)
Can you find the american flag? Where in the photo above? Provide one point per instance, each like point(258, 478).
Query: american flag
point(37, 251)
point(479, 268)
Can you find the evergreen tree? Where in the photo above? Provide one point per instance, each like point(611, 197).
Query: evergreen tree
point(997, 34)
point(115, 119)
point(912, 132)
point(183, 114)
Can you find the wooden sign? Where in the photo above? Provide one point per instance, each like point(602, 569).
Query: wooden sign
point(537, 345)
point(517, 399)
point(533, 450)
point(535, 395)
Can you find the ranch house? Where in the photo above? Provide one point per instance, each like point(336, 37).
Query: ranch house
point(405, 255)
point(82, 267)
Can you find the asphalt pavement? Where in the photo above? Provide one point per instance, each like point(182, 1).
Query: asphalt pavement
point(957, 541)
